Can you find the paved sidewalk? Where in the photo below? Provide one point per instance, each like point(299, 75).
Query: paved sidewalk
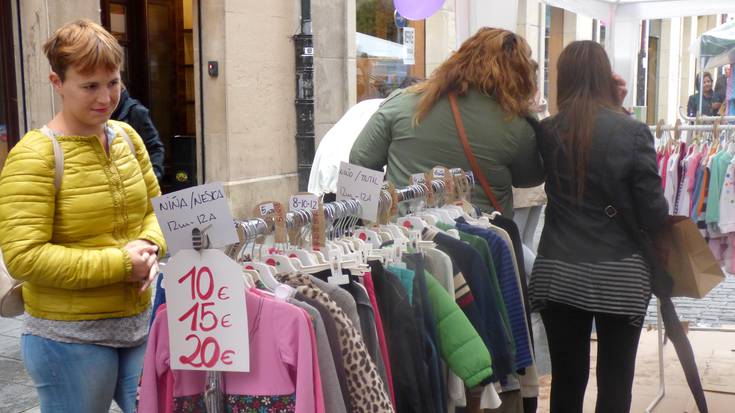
point(715, 310)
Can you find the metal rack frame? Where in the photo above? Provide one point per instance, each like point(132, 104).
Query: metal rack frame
point(659, 324)
point(706, 119)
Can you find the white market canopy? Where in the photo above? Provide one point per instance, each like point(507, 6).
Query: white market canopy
point(611, 11)
point(622, 18)
point(717, 46)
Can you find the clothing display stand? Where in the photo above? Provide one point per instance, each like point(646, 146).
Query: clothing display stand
point(254, 228)
point(659, 323)
point(661, 375)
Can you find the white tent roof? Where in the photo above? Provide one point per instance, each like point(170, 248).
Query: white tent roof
point(610, 10)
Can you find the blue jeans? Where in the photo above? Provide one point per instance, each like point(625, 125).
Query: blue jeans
point(82, 377)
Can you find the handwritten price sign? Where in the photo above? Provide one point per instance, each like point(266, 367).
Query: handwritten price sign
point(207, 316)
point(355, 182)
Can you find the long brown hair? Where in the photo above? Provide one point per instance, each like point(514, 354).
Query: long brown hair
point(585, 85)
point(495, 62)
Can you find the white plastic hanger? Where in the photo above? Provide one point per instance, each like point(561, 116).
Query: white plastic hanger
point(304, 257)
point(282, 263)
point(369, 236)
point(266, 274)
point(412, 222)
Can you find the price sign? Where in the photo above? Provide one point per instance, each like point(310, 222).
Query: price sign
point(439, 172)
point(303, 202)
point(356, 182)
point(207, 316)
point(203, 207)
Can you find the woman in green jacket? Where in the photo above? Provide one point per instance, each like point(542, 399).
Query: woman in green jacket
point(494, 79)
point(84, 239)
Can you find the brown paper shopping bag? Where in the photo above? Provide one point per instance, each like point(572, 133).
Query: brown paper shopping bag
point(689, 260)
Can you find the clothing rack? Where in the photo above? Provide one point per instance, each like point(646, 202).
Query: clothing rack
point(659, 323)
point(333, 211)
point(683, 127)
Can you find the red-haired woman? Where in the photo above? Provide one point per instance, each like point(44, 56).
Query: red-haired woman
point(494, 79)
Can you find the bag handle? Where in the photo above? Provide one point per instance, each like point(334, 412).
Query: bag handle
point(462, 134)
point(58, 157)
point(127, 139)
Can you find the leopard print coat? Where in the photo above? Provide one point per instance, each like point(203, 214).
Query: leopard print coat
point(366, 388)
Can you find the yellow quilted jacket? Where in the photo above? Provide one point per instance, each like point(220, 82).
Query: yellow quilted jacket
point(68, 246)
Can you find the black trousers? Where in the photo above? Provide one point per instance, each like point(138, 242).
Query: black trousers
point(568, 331)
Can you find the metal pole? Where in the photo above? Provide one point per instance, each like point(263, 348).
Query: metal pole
point(214, 399)
point(661, 375)
point(305, 106)
point(701, 85)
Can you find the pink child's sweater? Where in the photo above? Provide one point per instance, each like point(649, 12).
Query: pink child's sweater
point(281, 363)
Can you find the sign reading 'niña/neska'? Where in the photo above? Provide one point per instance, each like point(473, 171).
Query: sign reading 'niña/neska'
point(204, 207)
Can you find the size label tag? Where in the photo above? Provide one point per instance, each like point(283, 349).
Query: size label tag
point(394, 202)
point(204, 207)
point(207, 316)
point(362, 184)
point(272, 211)
point(429, 177)
point(303, 201)
point(418, 179)
point(318, 228)
point(267, 209)
point(460, 184)
point(386, 204)
point(439, 172)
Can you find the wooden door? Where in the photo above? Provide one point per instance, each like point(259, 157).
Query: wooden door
point(9, 128)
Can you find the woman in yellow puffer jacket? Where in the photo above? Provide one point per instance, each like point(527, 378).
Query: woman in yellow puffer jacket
point(86, 248)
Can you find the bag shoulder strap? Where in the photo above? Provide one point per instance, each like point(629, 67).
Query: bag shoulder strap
point(127, 139)
point(462, 134)
point(58, 156)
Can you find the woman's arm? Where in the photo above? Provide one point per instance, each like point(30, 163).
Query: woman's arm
point(150, 231)
point(27, 210)
point(649, 204)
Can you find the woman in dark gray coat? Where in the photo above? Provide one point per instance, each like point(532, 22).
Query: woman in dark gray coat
point(597, 159)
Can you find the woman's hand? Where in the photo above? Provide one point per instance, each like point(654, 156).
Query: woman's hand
point(144, 260)
point(622, 88)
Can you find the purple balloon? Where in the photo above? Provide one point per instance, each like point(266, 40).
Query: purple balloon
point(417, 9)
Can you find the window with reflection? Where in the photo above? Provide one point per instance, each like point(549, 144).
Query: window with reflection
point(390, 49)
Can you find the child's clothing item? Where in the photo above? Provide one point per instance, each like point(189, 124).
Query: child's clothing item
point(282, 373)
